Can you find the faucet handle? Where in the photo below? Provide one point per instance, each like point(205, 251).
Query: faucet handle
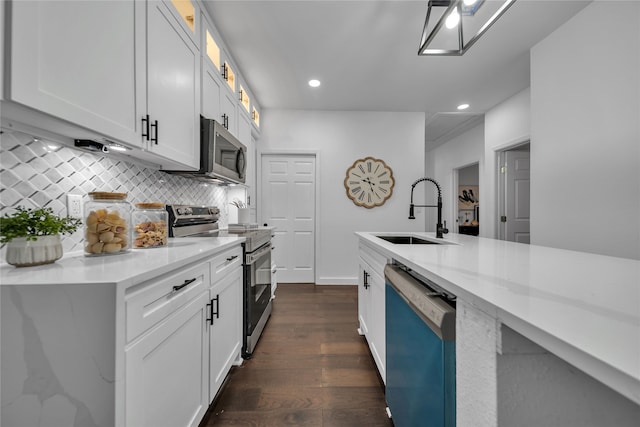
point(445, 230)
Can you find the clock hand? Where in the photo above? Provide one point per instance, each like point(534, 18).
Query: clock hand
point(368, 181)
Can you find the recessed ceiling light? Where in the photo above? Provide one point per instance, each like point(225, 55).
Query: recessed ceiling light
point(463, 106)
point(314, 83)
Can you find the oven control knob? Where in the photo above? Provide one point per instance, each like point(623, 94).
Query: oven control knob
point(180, 211)
point(188, 211)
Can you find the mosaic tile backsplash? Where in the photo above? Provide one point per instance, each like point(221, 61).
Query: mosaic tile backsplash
point(32, 175)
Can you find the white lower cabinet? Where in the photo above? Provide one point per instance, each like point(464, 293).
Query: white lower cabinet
point(225, 330)
point(166, 371)
point(183, 332)
point(371, 304)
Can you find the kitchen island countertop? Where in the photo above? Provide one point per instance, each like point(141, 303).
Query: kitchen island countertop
point(583, 307)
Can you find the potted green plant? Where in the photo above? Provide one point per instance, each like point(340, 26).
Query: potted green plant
point(33, 235)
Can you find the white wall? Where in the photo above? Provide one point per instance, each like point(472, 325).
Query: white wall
point(458, 152)
point(340, 137)
point(506, 124)
point(585, 119)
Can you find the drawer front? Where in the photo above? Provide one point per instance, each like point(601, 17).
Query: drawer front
point(375, 259)
point(159, 298)
point(225, 262)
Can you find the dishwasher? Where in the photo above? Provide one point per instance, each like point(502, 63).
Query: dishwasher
point(420, 344)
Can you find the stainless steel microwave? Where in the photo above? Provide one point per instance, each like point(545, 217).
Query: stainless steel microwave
point(222, 156)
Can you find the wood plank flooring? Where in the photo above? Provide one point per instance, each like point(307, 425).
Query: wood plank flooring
point(310, 367)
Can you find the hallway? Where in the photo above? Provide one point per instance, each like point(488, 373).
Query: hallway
point(310, 368)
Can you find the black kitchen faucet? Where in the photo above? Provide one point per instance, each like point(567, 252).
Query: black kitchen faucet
point(440, 230)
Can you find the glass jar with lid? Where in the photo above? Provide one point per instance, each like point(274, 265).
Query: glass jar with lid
point(150, 225)
point(107, 224)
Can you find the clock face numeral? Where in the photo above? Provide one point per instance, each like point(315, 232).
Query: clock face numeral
point(369, 182)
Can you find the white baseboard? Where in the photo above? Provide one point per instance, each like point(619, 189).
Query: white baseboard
point(337, 281)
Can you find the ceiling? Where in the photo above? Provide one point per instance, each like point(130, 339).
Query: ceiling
point(365, 54)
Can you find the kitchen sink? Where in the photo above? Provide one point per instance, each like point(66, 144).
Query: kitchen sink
point(407, 240)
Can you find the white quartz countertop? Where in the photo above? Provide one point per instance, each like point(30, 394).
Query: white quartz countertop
point(125, 269)
point(585, 308)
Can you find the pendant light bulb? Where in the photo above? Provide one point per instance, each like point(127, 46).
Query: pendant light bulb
point(469, 2)
point(453, 19)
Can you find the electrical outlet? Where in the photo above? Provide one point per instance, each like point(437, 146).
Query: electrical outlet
point(74, 205)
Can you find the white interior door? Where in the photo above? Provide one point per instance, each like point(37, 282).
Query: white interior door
point(517, 195)
point(288, 203)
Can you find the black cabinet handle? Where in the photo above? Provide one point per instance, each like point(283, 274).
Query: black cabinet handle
point(232, 258)
point(366, 280)
point(155, 125)
point(210, 312)
point(217, 312)
point(186, 282)
point(145, 127)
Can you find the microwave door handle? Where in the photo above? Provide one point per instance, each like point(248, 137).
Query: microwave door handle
point(241, 164)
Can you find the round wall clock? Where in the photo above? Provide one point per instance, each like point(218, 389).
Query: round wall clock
point(369, 182)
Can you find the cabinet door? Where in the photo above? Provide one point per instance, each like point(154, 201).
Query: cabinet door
point(166, 371)
point(225, 338)
point(376, 333)
point(67, 61)
point(228, 105)
point(211, 93)
point(364, 299)
point(173, 81)
point(244, 135)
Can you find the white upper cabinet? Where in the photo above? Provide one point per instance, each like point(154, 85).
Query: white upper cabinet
point(139, 73)
point(106, 66)
point(173, 81)
point(67, 60)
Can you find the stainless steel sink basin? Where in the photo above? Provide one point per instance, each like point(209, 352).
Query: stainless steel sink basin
point(407, 240)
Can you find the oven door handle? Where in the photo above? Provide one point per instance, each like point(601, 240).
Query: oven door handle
point(254, 256)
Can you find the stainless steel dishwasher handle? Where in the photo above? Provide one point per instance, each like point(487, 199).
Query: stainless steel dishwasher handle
point(426, 303)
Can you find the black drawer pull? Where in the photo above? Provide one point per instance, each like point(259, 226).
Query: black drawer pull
point(232, 258)
point(186, 282)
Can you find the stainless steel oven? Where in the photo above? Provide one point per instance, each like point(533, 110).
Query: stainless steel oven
point(257, 296)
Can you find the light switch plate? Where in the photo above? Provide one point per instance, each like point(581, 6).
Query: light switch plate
point(74, 205)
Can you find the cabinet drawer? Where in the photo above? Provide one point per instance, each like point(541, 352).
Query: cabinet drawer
point(225, 262)
point(375, 259)
point(159, 298)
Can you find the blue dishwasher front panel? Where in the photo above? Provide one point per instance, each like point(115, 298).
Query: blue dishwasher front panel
point(420, 389)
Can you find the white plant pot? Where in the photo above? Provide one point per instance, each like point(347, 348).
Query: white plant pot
point(26, 253)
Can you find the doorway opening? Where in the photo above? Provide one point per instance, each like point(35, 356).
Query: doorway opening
point(514, 201)
point(467, 202)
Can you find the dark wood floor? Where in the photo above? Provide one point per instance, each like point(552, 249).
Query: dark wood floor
point(310, 368)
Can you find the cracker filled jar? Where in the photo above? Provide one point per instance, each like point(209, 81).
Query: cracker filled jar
point(150, 225)
point(107, 224)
